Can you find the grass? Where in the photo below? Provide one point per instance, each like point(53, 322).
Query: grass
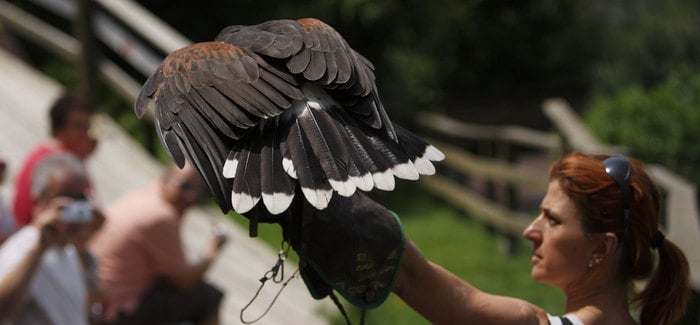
point(461, 245)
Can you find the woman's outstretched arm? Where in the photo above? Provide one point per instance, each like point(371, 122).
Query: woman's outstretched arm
point(443, 298)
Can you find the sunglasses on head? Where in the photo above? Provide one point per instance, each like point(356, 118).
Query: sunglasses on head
point(619, 168)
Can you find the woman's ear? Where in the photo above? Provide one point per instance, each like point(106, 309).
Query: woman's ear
point(606, 246)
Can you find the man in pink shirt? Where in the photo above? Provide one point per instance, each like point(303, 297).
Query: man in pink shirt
point(70, 117)
point(143, 270)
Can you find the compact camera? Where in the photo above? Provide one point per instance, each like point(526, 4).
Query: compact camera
point(77, 212)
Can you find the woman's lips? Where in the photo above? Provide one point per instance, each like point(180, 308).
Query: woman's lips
point(536, 258)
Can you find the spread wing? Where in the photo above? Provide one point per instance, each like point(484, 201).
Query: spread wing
point(270, 110)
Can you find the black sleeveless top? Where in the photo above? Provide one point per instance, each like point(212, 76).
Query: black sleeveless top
point(564, 320)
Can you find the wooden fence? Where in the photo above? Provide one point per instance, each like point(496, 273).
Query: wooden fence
point(487, 182)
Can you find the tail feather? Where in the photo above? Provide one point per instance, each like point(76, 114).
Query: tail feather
point(277, 186)
point(327, 144)
point(368, 158)
point(246, 191)
point(313, 182)
point(287, 163)
point(419, 151)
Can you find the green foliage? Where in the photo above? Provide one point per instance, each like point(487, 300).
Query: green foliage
point(444, 54)
point(463, 57)
point(659, 125)
point(644, 41)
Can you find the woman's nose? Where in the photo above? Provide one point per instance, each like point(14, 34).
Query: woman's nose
point(533, 231)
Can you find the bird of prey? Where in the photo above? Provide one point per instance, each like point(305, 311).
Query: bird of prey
point(271, 112)
point(284, 123)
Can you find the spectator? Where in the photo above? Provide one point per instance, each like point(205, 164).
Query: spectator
point(70, 120)
point(142, 267)
point(7, 221)
point(42, 280)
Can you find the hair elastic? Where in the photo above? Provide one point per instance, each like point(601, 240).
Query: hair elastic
point(657, 240)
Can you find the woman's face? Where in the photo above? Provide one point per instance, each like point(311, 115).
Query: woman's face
point(561, 250)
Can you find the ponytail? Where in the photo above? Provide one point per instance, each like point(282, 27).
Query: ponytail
point(663, 301)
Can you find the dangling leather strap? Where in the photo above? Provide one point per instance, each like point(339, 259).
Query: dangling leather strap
point(277, 277)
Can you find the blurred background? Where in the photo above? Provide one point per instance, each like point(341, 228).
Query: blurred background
point(632, 62)
point(478, 76)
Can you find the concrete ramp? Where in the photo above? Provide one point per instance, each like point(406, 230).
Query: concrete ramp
point(119, 165)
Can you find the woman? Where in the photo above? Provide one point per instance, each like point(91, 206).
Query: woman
point(596, 233)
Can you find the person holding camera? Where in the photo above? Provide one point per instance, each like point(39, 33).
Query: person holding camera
point(42, 276)
point(142, 266)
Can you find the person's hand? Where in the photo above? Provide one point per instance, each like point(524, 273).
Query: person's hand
point(48, 221)
point(98, 219)
point(88, 229)
point(218, 241)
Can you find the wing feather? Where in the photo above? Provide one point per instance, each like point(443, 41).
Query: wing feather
point(208, 153)
point(201, 106)
point(275, 38)
point(231, 112)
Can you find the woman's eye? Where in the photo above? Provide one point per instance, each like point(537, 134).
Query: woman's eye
point(552, 220)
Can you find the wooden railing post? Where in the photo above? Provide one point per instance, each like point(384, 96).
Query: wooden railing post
point(87, 80)
point(508, 194)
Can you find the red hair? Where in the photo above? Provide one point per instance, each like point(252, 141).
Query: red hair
point(599, 199)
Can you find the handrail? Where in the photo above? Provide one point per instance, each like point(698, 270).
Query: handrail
point(496, 215)
point(66, 47)
point(493, 169)
point(146, 24)
point(37, 31)
point(470, 131)
point(576, 134)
